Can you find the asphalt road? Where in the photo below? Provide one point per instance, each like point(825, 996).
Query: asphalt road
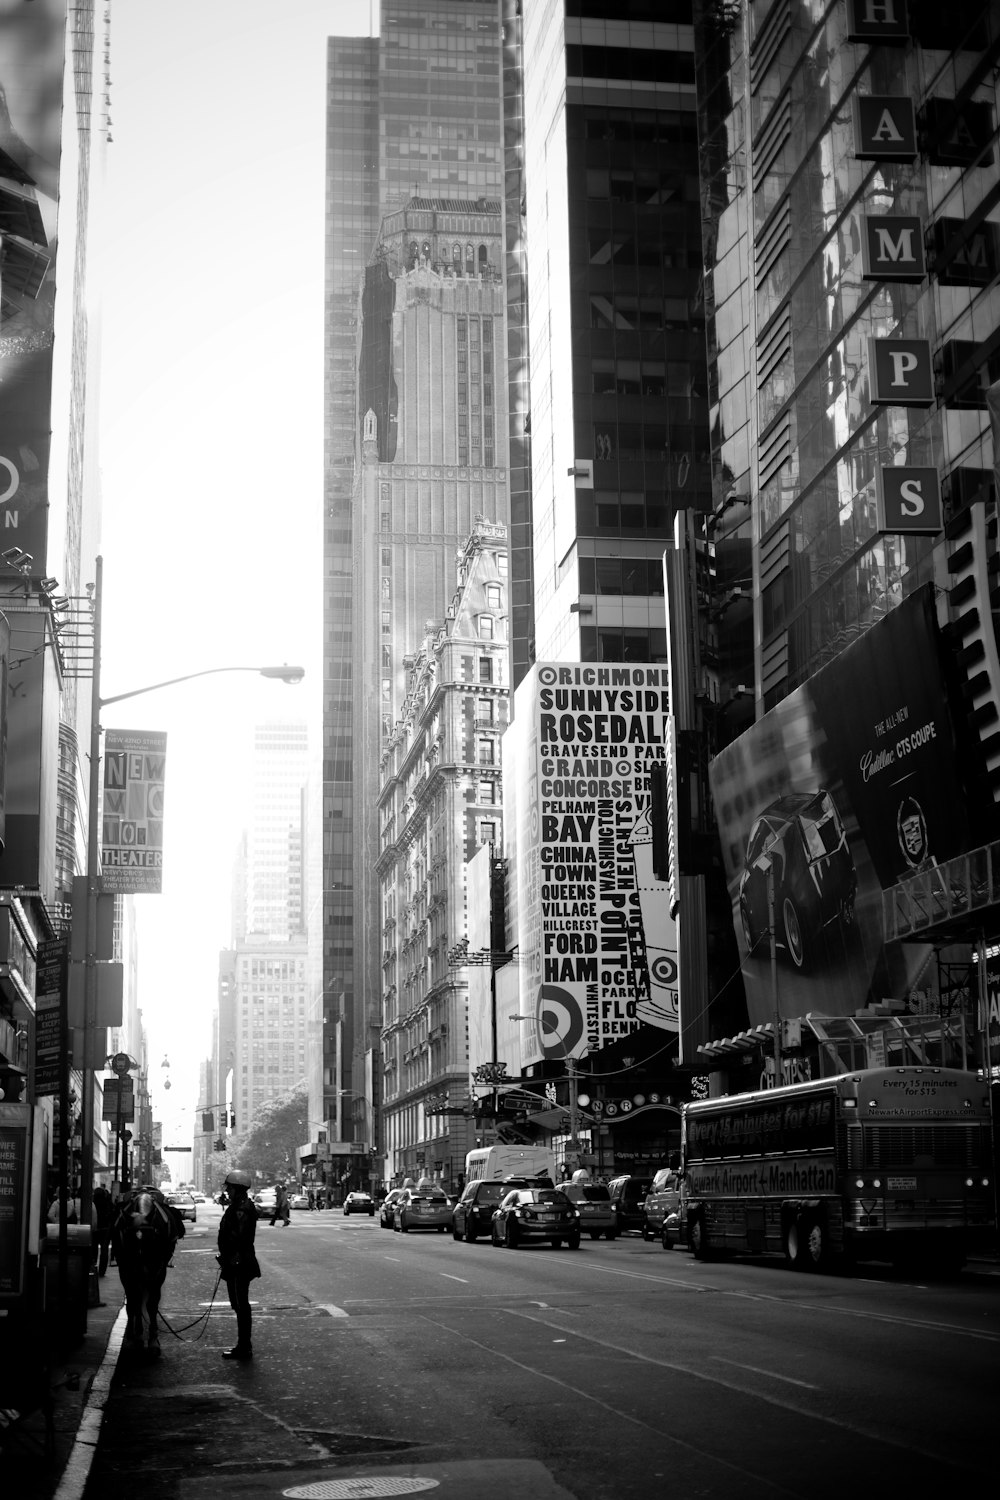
point(390, 1364)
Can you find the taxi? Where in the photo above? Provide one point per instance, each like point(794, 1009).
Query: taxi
point(425, 1206)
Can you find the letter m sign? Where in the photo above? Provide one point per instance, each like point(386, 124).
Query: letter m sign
point(892, 248)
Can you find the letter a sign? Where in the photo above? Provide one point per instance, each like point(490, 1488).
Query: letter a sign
point(908, 500)
point(885, 127)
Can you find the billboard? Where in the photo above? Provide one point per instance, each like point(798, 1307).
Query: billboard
point(32, 44)
point(596, 943)
point(132, 841)
point(850, 783)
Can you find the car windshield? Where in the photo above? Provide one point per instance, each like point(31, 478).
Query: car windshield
point(492, 1193)
point(542, 1195)
point(427, 1195)
point(822, 835)
point(587, 1192)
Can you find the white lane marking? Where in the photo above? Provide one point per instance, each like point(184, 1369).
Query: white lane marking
point(771, 1374)
point(333, 1310)
point(791, 1302)
point(389, 1257)
point(625, 1416)
point(447, 1277)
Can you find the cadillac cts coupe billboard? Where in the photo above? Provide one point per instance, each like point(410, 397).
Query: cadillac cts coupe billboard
point(849, 784)
point(597, 946)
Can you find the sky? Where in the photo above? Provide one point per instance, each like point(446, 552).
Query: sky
point(211, 443)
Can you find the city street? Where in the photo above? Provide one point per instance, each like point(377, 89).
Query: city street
point(618, 1370)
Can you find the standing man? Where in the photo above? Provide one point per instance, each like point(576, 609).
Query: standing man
point(238, 1260)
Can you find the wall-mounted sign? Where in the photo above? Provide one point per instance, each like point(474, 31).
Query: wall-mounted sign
point(908, 500)
point(892, 248)
point(962, 257)
point(957, 135)
point(880, 22)
point(900, 372)
point(885, 127)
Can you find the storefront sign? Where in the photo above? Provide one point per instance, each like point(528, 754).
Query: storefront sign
point(878, 22)
point(901, 372)
point(15, 1120)
point(892, 248)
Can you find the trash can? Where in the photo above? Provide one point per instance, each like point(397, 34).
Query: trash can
point(67, 1321)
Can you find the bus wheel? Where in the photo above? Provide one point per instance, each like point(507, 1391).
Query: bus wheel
point(806, 1242)
point(698, 1238)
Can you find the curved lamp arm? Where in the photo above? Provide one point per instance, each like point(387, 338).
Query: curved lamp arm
point(283, 673)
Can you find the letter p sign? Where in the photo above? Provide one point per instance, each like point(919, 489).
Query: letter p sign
point(900, 372)
point(908, 500)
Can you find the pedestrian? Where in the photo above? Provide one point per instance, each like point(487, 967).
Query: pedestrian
point(238, 1264)
point(104, 1208)
point(281, 1209)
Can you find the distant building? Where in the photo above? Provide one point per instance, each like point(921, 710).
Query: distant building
point(439, 803)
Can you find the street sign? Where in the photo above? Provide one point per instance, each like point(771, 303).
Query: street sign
point(176, 1148)
point(120, 1063)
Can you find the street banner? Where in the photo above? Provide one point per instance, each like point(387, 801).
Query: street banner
point(50, 1004)
point(597, 943)
point(32, 51)
point(132, 842)
point(857, 779)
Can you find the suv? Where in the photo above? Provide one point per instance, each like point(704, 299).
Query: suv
point(662, 1200)
point(628, 1194)
point(473, 1214)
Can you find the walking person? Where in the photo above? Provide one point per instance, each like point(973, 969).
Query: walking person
point(281, 1208)
point(238, 1260)
point(104, 1208)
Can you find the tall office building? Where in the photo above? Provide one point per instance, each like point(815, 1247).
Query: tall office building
point(851, 192)
point(619, 399)
point(412, 114)
point(275, 873)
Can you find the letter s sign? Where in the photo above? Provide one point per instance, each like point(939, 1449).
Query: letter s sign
point(908, 500)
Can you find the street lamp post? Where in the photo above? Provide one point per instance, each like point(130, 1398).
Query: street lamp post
point(283, 673)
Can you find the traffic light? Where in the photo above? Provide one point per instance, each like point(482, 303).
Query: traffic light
point(232, 1119)
point(207, 1121)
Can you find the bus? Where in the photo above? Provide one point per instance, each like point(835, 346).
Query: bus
point(881, 1164)
point(509, 1161)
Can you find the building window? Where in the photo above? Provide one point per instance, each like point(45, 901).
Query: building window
point(487, 831)
point(484, 710)
point(488, 792)
point(387, 622)
point(486, 627)
point(486, 751)
point(486, 669)
point(493, 596)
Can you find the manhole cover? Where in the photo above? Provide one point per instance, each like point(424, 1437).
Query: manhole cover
point(334, 1489)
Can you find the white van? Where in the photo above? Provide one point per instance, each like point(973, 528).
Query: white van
point(509, 1161)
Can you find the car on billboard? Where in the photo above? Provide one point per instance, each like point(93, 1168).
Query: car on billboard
point(801, 838)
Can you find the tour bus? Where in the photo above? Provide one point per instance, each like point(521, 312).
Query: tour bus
point(881, 1164)
point(509, 1161)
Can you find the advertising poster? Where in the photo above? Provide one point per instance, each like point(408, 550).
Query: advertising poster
point(852, 782)
point(132, 842)
point(32, 42)
point(988, 1017)
point(597, 945)
point(14, 1144)
point(50, 1002)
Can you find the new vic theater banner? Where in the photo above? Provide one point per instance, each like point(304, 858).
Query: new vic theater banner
point(854, 781)
point(597, 945)
point(132, 842)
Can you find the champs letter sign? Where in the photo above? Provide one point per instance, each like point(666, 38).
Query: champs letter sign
point(132, 842)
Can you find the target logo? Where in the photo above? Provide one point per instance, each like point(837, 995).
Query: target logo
point(560, 1021)
point(663, 970)
point(547, 676)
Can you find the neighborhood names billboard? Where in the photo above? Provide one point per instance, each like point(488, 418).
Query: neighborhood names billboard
point(596, 943)
point(132, 842)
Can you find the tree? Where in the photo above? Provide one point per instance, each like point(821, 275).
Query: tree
point(269, 1148)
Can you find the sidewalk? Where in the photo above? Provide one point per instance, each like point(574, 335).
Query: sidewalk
point(80, 1378)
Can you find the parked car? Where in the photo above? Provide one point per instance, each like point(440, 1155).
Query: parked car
point(536, 1214)
point(359, 1203)
point(184, 1204)
point(628, 1194)
point(663, 1199)
point(298, 1200)
point(800, 838)
point(593, 1203)
point(385, 1212)
point(473, 1213)
point(425, 1207)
